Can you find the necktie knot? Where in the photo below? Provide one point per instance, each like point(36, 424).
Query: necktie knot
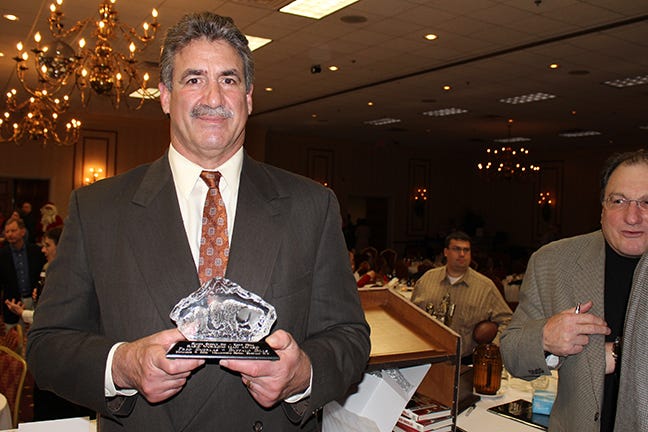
point(211, 178)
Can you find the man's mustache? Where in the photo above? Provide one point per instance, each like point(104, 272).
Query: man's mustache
point(206, 110)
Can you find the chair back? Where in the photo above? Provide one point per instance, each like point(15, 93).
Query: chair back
point(13, 369)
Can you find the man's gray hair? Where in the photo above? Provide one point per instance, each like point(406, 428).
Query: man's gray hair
point(212, 27)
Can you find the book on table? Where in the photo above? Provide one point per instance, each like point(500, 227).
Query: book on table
point(431, 425)
point(402, 427)
point(422, 407)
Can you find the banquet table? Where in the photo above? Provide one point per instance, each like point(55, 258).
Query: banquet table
point(479, 419)
point(5, 413)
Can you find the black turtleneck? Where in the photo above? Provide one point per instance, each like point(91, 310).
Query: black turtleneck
point(618, 282)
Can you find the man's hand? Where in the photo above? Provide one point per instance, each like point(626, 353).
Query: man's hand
point(142, 365)
point(567, 333)
point(270, 382)
point(14, 306)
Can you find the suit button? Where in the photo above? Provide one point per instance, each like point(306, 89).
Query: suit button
point(257, 426)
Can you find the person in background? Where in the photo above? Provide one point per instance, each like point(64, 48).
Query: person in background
point(20, 266)
point(31, 222)
point(460, 296)
point(102, 328)
point(573, 303)
point(50, 241)
point(49, 219)
point(47, 405)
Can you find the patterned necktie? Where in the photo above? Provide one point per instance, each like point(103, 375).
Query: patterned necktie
point(214, 244)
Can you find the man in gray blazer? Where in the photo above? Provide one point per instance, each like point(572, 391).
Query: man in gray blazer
point(573, 303)
point(130, 253)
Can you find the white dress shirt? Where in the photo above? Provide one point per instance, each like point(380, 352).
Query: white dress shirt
point(192, 191)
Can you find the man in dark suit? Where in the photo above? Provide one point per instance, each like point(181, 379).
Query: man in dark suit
point(21, 263)
point(102, 327)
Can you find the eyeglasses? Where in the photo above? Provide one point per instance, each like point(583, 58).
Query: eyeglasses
point(459, 249)
point(619, 203)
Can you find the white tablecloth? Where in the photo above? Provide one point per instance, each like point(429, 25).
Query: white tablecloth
point(5, 413)
point(481, 420)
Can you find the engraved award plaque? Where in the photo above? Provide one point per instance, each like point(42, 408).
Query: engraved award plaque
point(221, 320)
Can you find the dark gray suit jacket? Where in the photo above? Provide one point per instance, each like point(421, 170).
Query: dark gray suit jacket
point(558, 276)
point(124, 261)
point(632, 405)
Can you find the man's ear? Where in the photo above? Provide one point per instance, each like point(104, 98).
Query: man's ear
point(165, 98)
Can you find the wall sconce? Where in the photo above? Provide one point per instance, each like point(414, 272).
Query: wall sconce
point(546, 202)
point(545, 199)
point(420, 195)
point(94, 175)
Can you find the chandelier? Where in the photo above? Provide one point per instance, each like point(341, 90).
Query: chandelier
point(101, 68)
point(508, 159)
point(38, 117)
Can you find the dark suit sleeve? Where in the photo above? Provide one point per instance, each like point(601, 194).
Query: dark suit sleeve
point(65, 351)
point(338, 344)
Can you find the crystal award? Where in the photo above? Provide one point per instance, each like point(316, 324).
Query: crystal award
point(221, 320)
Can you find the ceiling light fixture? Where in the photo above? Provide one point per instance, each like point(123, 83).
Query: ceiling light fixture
point(315, 9)
point(382, 121)
point(533, 97)
point(578, 133)
point(256, 42)
point(628, 82)
point(444, 112)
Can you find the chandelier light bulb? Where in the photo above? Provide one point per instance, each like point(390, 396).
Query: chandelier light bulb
point(19, 45)
point(82, 43)
point(37, 37)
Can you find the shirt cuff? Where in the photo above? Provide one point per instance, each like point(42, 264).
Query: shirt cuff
point(296, 398)
point(109, 386)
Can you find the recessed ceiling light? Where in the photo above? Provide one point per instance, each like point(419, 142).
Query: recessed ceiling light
point(10, 17)
point(628, 82)
point(510, 140)
point(255, 42)
point(578, 133)
point(334, 68)
point(446, 87)
point(554, 66)
point(268, 89)
point(382, 121)
point(1, 54)
point(370, 103)
point(445, 112)
point(150, 93)
point(315, 8)
point(533, 97)
point(431, 36)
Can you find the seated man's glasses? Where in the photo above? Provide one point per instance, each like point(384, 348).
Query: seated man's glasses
point(616, 202)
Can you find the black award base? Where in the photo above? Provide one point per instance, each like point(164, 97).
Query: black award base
point(222, 350)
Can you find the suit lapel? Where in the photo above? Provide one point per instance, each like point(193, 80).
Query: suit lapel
point(260, 215)
point(590, 277)
point(153, 222)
